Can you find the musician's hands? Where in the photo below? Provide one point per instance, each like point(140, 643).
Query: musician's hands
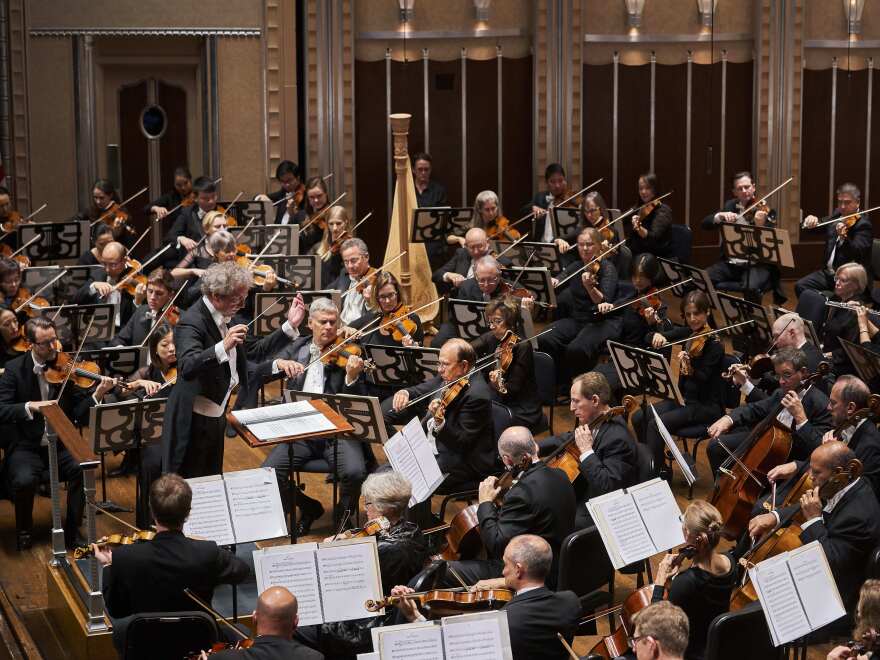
point(739, 374)
point(270, 281)
point(829, 436)
point(666, 570)
point(782, 472)
point(197, 272)
point(840, 228)
point(187, 243)
point(492, 583)
point(761, 524)
point(684, 359)
point(353, 367)
point(401, 398)
point(588, 280)
point(810, 222)
point(434, 406)
point(346, 331)
point(562, 245)
point(140, 293)
point(811, 505)
point(105, 385)
point(651, 317)
point(604, 307)
point(720, 427)
point(234, 336)
point(103, 289)
point(725, 216)
point(658, 340)
point(793, 405)
point(262, 198)
point(408, 341)
point(760, 218)
point(528, 303)
point(840, 653)
point(493, 378)
point(554, 282)
point(488, 490)
point(104, 554)
point(407, 606)
point(291, 368)
point(583, 438)
point(455, 279)
point(538, 211)
point(297, 311)
point(150, 386)
point(160, 211)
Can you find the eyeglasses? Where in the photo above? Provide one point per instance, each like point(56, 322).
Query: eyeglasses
point(632, 640)
point(45, 343)
point(387, 297)
point(487, 280)
point(494, 321)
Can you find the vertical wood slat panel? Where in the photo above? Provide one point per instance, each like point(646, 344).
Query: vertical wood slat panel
point(634, 120)
point(482, 127)
point(445, 111)
point(370, 166)
point(672, 139)
point(517, 134)
point(815, 163)
point(852, 109)
point(598, 109)
point(705, 134)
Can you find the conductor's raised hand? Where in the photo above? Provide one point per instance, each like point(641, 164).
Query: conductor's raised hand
point(297, 311)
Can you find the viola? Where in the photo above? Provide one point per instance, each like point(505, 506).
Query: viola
point(694, 349)
point(401, 324)
point(188, 200)
point(448, 602)
point(24, 302)
point(114, 539)
point(372, 528)
point(339, 357)
point(509, 289)
point(501, 226)
point(505, 359)
point(13, 220)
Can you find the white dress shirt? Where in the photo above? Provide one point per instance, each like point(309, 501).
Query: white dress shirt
point(202, 405)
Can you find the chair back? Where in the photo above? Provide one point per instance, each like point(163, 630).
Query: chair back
point(645, 462)
point(875, 258)
point(681, 242)
point(502, 418)
point(584, 566)
point(545, 376)
point(179, 633)
point(740, 634)
point(872, 572)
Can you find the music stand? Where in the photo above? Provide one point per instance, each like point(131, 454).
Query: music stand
point(258, 235)
point(117, 360)
point(303, 270)
point(293, 488)
point(77, 276)
point(537, 280)
point(401, 366)
point(277, 315)
point(866, 362)
point(73, 320)
point(644, 373)
point(435, 223)
point(36, 277)
point(469, 317)
point(752, 339)
point(546, 254)
point(678, 272)
point(245, 210)
point(757, 245)
point(61, 241)
point(565, 219)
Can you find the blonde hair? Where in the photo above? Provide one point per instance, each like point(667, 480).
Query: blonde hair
point(335, 212)
point(868, 611)
point(701, 518)
point(208, 220)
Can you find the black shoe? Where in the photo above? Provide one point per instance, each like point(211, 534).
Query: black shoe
point(666, 474)
point(23, 541)
point(309, 511)
point(779, 299)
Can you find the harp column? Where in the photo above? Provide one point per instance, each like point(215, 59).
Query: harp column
point(399, 133)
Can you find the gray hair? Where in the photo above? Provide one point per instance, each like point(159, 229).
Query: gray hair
point(225, 279)
point(853, 390)
point(859, 274)
point(488, 261)
point(322, 305)
point(849, 189)
point(221, 241)
point(789, 321)
point(531, 552)
point(355, 243)
point(516, 442)
point(389, 492)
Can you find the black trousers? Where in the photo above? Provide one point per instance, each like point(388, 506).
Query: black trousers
point(818, 281)
point(575, 346)
point(204, 453)
point(730, 277)
point(150, 470)
point(24, 467)
point(674, 418)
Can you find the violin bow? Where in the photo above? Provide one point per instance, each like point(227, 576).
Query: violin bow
point(39, 291)
point(241, 231)
point(710, 332)
point(210, 610)
point(351, 232)
point(842, 218)
point(445, 385)
point(412, 311)
point(263, 251)
point(342, 524)
point(117, 518)
point(524, 266)
point(587, 265)
point(562, 203)
point(119, 206)
point(631, 302)
point(140, 238)
point(759, 200)
point(512, 245)
point(737, 460)
point(321, 212)
point(280, 299)
point(494, 354)
point(36, 238)
point(634, 209)
point(375, 272)
point(568, 648)
point(138, 270)
point(45, 204)
point(73, 363)
point(162, 316)
point(458, 577)
point(356, 335)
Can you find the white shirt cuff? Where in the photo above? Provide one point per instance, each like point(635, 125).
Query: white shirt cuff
point(92, 289)
point(718, 217)
point(747, 387)
point(220, 352)
point(28, 411)
point(349, 383)
point(586, 455)
point(275, 368)
point(798, 427)
point(775, 515)
point(810, 522)
point(289, 330)
point(434, 426)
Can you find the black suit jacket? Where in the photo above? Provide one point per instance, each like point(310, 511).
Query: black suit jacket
point(151, 576)
point(848, 535)
point(522, 385)
point(298, 350)
point(855, 247)
point(84, 296)
point(186, 224)
point(135, 330)
point(468, 429)
point(459, 263)
point(270, 647)
point(541, 502)
point(659, 225)
point(840, 323)
point(732, 206)
point(535, 617)
point(574, 296)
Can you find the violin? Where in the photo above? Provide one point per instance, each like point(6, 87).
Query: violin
point(652, 302)
point(372, 528)
point(501, 226)
point(758, 366)
point(847, 224)
point(83, 373)
point(448, 397)
point(508, 289)
point(339, 357)
point(694, 349)
point(605, 231)
point(130, 280)
point(114, 539)
point(13, 220)
point(169, 375)
point(188, 200)
point(449, 602)
point(20, 343)
point(230, 219)
point(869, 642)
point(645, 211)
point(402, 325)
point(365, 280)
point(505, 358)
point(22, 302)
point(115, 217)
point(172, 316)
point(240, 645)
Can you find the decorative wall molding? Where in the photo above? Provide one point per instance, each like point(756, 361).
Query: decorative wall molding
point(385, 35)
point(639, 38)
point(148, 32)
point(19, 157)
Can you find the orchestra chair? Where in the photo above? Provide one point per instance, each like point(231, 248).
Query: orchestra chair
point(585, 569)
point(741, 634)
point(176, 633)
point(875, 267)
point(872, 571)
point(431, 577)
point(623, 262)
point(646, 471)
point(682, 239)
point(545, 377)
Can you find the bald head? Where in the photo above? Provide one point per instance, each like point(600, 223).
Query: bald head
point(516, 442)
point(276, 612)
point(476, 243)
point(532, 553)
point(832, 455)
point(788, 331)
point(113, 251)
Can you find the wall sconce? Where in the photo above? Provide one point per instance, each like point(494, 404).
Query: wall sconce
point(707, 11)
point(481, 9)
point(853, 11)
point(634, 9)
point(406, 10)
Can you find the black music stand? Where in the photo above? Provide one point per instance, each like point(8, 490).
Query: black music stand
point(865, 361)
point(36, 277)
point(753, 339)
point(644, 373)
point(565, 219)
point(272, 319)
point(678, 272)
point(770, 246)
point(117, 360)
point(535, 279)
point(435, 223)
point(546, 254)
point(257, 236)
point(469, 317)
point(71, 322)
point(245, 210)
point(303, 270)
point(61, 241)
point(401, 366)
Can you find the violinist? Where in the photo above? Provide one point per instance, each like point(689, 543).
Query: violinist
point(182, 194)
point(317, 199)
point(736, 274)
point(10, 285)
point(298, 362)
point(289, 175)
point(806, 414)
point(650, 230)
point(356, 259)
point(158, 291)
point(104, 199)
point(513, 382)
point(842, 513)
point(23, 387)
point(845, 242)
point(9, 218)
point(661, 632)
point(867, 623)
point(187, 228)
point(12, 339)
point(402, 551)
point(535, 614)
point(329, 249)
point(489, 216)
point(699, 378)
point(197, 260)
point(386, 298)
point(608, 459)
point(461, 434)
point(151, 576)
point(594, 213)
point(101, 286)
point(702, 590)
point(580, 330)
point(102, 236)
point(557, 191)
point(461, 266)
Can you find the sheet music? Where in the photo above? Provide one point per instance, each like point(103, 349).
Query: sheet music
point(410, 641)
point(481, 636)
point(410, 454)
point(624, 534)
point(673, 449)
point(283, 419)
point(779, 599)
point(815, 584)
point(349, 575)
point(660, 513)
point(255, 505)
point(209, 514)
point(293, 567)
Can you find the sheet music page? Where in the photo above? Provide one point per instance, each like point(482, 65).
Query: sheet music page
point(255, 505)
point(294, 567)
point(410, 641)
point(673, 449)
point(209, 516)
point(660, 513)
point(481, 636)
point(349, 575)
point(624, 534)
point(815, 584)
point(283, 419)
point(372, 655)
point(779, 600)
point(410, 454)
